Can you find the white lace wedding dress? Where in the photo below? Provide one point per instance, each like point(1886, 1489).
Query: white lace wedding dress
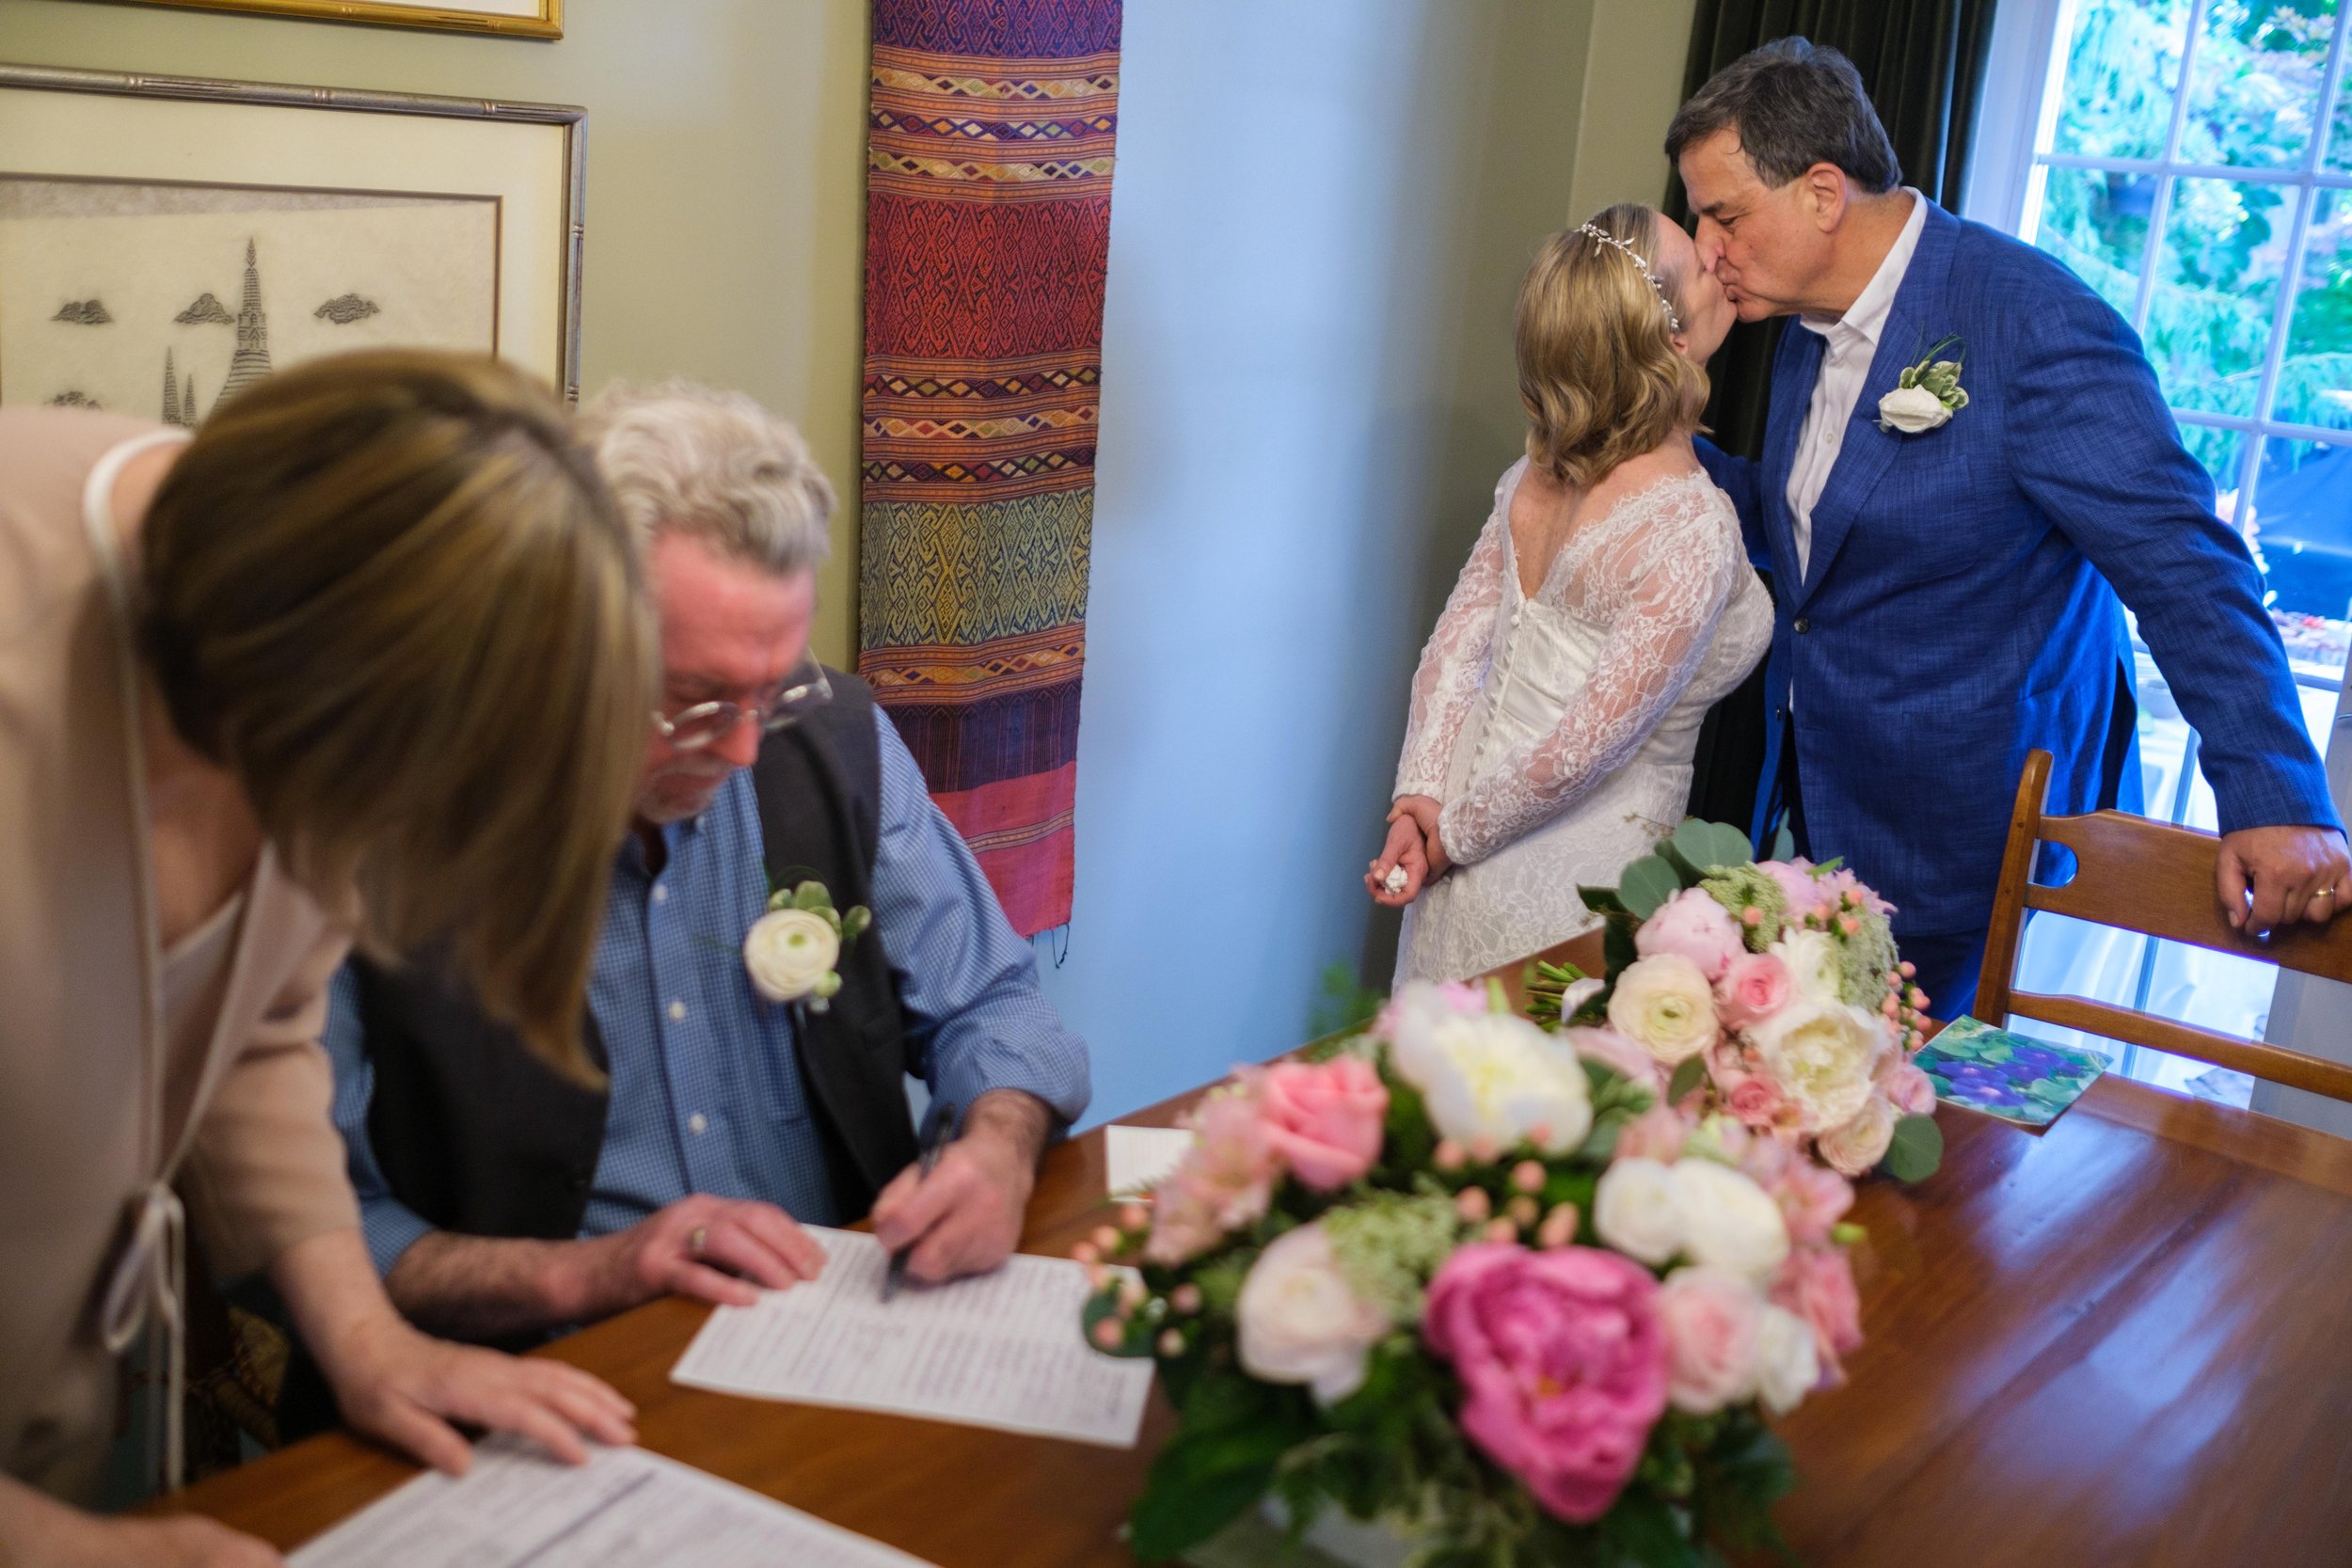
point(1558, 730)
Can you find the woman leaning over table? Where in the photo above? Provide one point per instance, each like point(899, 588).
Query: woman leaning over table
point(367, 658)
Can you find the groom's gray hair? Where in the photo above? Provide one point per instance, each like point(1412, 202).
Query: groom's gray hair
point(1793, 104)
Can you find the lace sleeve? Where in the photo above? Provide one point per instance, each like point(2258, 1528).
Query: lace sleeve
point(1662, 586)
point(1452, 664)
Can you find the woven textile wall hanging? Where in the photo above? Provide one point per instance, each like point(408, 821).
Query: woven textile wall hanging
point(988, 217)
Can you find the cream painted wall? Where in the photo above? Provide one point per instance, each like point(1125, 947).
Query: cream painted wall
point(1633, 86)
point(726, 182)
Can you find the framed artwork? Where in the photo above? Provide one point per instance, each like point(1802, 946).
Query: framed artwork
point(165, 241)
point(529, 19)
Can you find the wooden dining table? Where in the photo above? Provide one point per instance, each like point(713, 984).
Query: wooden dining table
point(2125, 1340)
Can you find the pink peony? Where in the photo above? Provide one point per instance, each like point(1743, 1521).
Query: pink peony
point(1226, 1179)
point(1452, 996)
point(1754, 988)
point(1755, 1102)
point(1817, 1284)
point(1325, 1119)
point(1617, 1054)
point(1693, 924)
point(1910, 1089)
point(1563, 1361)
point(1710, 1318)
point(1658, 1133)
point(1804, 893)
point(1813, 1199)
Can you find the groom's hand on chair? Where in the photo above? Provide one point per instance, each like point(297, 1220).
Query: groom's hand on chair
point(2266, 877)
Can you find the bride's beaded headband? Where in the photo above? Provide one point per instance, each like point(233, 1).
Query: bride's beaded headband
point(1602, 236)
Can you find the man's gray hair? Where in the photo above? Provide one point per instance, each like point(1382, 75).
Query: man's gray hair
point(686, 457)
point(1793, 104)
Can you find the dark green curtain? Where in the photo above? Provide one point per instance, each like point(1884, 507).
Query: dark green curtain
point(1922, 61)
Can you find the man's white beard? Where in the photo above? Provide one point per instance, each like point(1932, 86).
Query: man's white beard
point(667, 798)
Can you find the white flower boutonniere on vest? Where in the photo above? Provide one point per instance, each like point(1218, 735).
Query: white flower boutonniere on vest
point(791, 950)
point(1926, 395)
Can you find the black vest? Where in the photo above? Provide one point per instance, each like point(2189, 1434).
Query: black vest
point(478, 1137)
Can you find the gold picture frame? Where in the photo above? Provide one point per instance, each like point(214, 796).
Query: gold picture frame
point(187, 234)
point(522, 19)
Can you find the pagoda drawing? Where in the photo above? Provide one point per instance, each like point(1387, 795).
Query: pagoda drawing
point(179, 397)
point(251, 362)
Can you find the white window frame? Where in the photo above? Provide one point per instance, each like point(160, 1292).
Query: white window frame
point(2017, 115)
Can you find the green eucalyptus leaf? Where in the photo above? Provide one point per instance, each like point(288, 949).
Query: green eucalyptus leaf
point(1711, 846)
point(1917, 1149)
point(1648, 883)
point(1689, 1074)
point(1784, 844)
point(1601, 900)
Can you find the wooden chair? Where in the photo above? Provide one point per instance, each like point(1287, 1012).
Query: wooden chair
point(2135, 875)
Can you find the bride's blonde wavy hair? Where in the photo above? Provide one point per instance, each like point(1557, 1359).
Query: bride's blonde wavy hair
point(1599, 373)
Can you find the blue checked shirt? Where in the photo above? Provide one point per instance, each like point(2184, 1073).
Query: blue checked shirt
point(707, 1092)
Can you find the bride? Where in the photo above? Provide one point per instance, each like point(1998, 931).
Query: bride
point(1607, 604)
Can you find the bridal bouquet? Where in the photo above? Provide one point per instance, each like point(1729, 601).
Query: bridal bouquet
point(1769, 991)
point(1482, 1283)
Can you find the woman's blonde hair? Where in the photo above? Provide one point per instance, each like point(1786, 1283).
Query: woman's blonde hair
point(1599, 373)
point(388, 591)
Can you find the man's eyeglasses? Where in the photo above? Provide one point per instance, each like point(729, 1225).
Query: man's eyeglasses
point(786, 702)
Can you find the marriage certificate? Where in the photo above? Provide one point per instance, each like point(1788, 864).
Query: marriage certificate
point(626, 1508)
point(1003, 1350)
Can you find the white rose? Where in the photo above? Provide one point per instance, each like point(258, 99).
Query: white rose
point(1728, 1222)
point(1787, 1364)
point(1855, 1146)
point(788, 952)
point(1490, 1075)
point(1300, 1322)
point(1637, 1207)
point(1665, 1004)
point(1816, 965)
point(1912, 410)
point(1821, 1056)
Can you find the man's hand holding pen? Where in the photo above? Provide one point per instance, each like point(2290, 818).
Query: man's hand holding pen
point(965, 1215)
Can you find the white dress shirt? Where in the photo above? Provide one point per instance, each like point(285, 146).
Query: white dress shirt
point(1854, 342)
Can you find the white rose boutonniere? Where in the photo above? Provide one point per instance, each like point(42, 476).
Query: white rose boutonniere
point(791, 950)
point(1926, 395)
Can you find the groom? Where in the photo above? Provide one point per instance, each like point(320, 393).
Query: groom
point(1948, 595)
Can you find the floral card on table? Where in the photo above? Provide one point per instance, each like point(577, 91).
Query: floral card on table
point(2006, 1075)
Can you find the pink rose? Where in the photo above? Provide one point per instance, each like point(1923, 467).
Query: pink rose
point(1754, 988)
point(1813, 1199)
point(1325, 1119)
point(1755, 1102)
point(1910, 1089)
point(1658, 1133)
point(1617, 1054)
point(1805, 893)
point(1710, 1318)
point(1693, 924)
point(1563, 1363)
point(1226, 1179)
point(1817, 1284)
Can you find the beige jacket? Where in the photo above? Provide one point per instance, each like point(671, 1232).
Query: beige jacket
point(84, 1126)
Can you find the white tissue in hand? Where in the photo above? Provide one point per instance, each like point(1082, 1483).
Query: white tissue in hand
point(1396, 879)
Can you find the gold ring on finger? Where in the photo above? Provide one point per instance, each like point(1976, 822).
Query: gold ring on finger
point(694, 1242)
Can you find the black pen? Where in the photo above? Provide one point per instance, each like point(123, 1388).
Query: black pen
point(939, 1122)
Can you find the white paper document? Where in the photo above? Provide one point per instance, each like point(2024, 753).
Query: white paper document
point(624, 1509)
point(1001, 1351)
point(1141, 1156)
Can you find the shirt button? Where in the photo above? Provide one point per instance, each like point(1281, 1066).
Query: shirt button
point(697, 1124)
point(661, 893)
point(1803, 626)
point(677, 1012)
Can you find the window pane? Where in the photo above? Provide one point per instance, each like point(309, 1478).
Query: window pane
point(2255, 87)
point(2303, 529)
point(2096, 222)
point(2339, 154)
point(2217, 291)
point(2315, 377)
point(2121, 67)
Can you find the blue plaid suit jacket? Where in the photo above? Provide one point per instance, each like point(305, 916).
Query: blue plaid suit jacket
point(1959, 608)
